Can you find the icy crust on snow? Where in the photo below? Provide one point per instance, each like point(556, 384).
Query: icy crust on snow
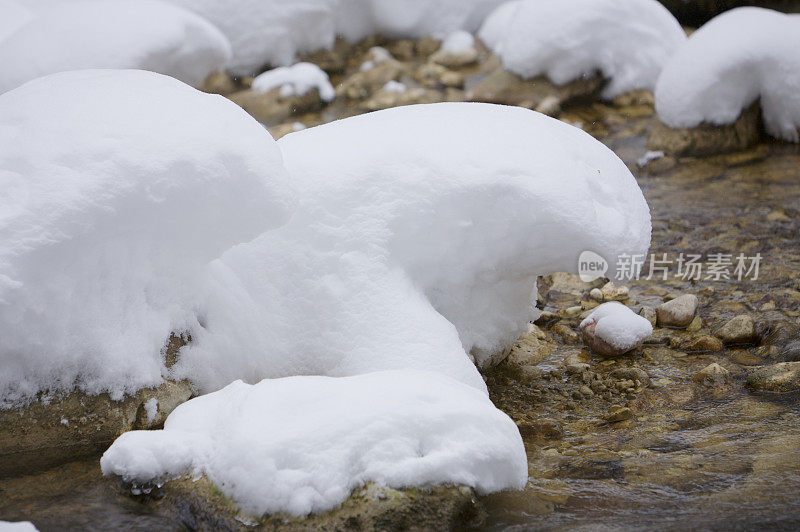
point(274, 32)
point(118, 188)
point(733, 60)
point(419, 235)
point(62, 35)
point(627, 41)
point(302, 444)
point(296, 80)
point(618, 326)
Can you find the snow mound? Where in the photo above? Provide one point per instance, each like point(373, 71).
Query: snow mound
point(296, 80)
point(84, 34)
point(118, 188)
point(733, 60)
point(419, 236)
point(13, 16)
point(302, 444)
point(274, 32)
point(627, 41)
point(618, 326)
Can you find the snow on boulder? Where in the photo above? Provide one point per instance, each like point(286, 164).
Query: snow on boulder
point(118, 188)
point(613, 329)
point(274, 32)
point(268, 32)
point(12, 16)
point(419, 236)
point(296, 80)
point(85, 34)
point(302, 444)
point(626, 41)
point(735, 59)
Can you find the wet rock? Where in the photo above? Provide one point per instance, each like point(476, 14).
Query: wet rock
point(705, 344)
point(541, 430)
point(708, 139)
point(427, 46)
point(49, 433)
point(618, 413)
point(780, 377)
point(281, 130)
point(377, 72)
point(634, 98)
point(566, 333)
point(739, 330)
point(550, 106)
point(202, 506)
point(712, 375)
point(745, 358)
point(532, 348)
point(632, 374)
point(384, 99)
point(271, 107)
point(695, 325)
point(507, 88)
point(434, 76)
point(649, 313)
point(612, 292)
point(565, 287)
point(455, 58)
point(677, 312)
point(219, 83)
point(332, 61)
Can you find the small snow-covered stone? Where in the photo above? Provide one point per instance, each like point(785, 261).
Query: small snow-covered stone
point(677, 312)
point(613, 329)
point(296, 80)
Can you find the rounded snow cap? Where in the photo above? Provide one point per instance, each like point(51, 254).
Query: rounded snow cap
point(119, 187)
point(733, 60)
point(626, 41)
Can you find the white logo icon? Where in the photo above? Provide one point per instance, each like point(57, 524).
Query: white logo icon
point(591, 266)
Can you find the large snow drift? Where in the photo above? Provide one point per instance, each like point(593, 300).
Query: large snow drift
point(61, 35)
point(733, 60)
point(273, 32)
point(627, 41)
point(118, 188)
point(302, 444)
point(419, 236)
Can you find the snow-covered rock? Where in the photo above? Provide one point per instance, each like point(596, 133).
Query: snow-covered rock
point(627, 41)
point(61, 35)
point(118, 188)
point(273, 32)
point(419, 236)
point(458, 50)
point(296, 80)
point(738, 57)
point(302, 444)
point(19, 526)
point(613, 329)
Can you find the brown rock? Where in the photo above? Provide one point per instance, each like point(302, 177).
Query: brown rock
point(677, 312)
point(507, 88)
point(706, 344)
point(270, 107)
point(781, 377)
point(618, 413)
point(739, 330)
point(712, 375)
point(708, 139)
